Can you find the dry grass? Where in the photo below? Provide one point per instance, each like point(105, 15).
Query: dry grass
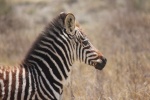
point(125, 43)
point(119, 31)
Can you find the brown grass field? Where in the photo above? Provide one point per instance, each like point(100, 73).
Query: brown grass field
point(120, 29)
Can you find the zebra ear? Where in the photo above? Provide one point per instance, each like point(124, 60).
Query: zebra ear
point(70, 23)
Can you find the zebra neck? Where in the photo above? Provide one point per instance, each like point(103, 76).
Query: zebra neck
point(51, 59)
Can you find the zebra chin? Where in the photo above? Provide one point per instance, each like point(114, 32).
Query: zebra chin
point(101, 65)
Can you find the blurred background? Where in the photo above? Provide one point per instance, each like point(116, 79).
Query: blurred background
point(120, 29)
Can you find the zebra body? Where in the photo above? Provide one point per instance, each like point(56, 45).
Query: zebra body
point(46, 66)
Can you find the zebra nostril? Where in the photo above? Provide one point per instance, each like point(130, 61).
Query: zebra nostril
point(104, 59)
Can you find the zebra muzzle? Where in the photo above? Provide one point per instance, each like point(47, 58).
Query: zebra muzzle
point(100, 65)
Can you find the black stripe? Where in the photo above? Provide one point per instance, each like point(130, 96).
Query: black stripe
point(82, 53)
point(36, 81)
point(50, 63)
point(67, 45)
point(6, 83)
point(55, 58)
point(50, 78)
point(47, 45)
point(32, 82)
point(1, 78)
point(76, 51)
point(62, 46)
point(36, 97)
point(79, 52)
point(13, 86)
point(48, 75)
point(20, 84)
point(27, 82)
point(44, 82)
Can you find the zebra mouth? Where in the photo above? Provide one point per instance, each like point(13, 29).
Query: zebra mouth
point(101, 64)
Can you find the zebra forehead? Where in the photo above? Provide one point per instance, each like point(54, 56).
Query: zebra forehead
point(80, 30)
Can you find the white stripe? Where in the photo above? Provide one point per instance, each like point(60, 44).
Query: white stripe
point(33, 97)
point(60, 40)
point(50, 70)
point(2, 88)
point(2, 84)
point(56, 54)
point(30, 85)
point(60, 89)
point(53, 62)
point(61, 49)
point(10, 83)
point(4, 75)
point(92, 53)
point(78, 48)
point(47, 43)
point(92, 57)
point(42, 71)
point(1, 71)
point(75, 53)
point(81, 53)
point(45, 96)
point(89, 54)
point(57, 95)
point(84, 55)
point(45, 87)
point(70, 46)
point(17, 84)
point(24, 84)
point(38, 97)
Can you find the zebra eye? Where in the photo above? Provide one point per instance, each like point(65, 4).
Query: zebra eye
point(85, 42)
point(65, 31)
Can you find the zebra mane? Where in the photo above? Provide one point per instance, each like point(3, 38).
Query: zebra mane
point(58, 22)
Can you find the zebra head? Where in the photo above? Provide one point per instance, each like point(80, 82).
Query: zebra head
point(83, 48)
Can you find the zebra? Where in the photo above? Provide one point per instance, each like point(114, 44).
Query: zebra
point(46, 66)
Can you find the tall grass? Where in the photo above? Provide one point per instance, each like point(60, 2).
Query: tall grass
point(5, 8)
point(119, 31)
